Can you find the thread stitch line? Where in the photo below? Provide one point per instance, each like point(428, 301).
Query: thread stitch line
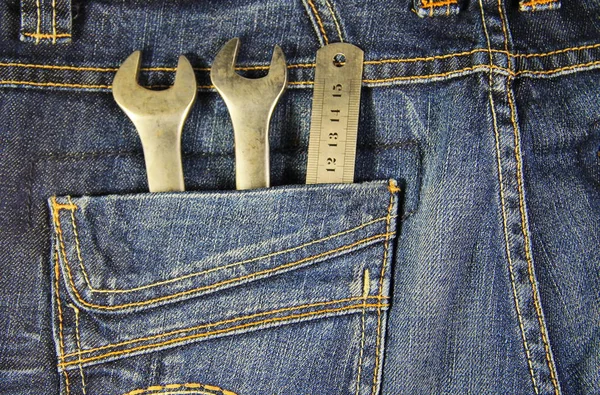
point(319, 21)
point(39, 36)
point(519, 176)
point(224, 322)
point(204, 272)
point(528, 255)
point(504, 215)
point(183, 293)
point(435, 4)
point(61, 343)
point(335, 21)
point(39, 19)
point(77, 337)
point(535, 3)
point(362, 344)
point(54, 28)
point(197, 386)
point(393, 189)
point(220, 331)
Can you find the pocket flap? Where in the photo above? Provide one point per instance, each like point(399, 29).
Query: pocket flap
point(130, 252)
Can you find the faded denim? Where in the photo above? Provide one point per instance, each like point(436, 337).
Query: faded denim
point(464, 260)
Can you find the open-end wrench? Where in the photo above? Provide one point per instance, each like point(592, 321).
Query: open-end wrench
point(250, 103)
point(158, 117)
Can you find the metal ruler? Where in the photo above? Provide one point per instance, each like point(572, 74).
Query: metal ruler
point(334, 120)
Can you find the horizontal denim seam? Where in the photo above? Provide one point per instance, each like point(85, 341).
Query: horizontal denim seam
point(437, 3)
point(59, 235)
point(209, 389)
point(227, 321)
point(522, 72)
point(73, 207)
point(436, 76)
point(219, 331)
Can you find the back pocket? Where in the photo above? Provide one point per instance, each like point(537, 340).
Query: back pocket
point(280, 290)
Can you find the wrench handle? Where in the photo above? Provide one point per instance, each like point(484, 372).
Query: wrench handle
point(251, 150)
point(161, 142)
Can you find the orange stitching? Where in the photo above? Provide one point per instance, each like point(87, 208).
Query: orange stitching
point(61, 344)
point(536, 301)
point(559, 51)
point(219, 331)
point(72, 208)
point(39, 20)
point(333, 16)
point(77, 245)
point(53, 84)
point(76, 311)
point(319, 22)
point(197, 386)
point(39, 36)
point(534, 3)
point(438, 3)
point(53, 21)
point(391, 187)
point(228, 321)
point(425, 59)
point(504, 217)
point(204, 288)
point(553, 71)
point(418, 77)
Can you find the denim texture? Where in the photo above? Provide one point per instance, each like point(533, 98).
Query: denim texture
point(464, 260)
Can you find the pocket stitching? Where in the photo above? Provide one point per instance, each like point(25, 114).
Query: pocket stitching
point(175, 341)
point(72, 207)
point(56, 207)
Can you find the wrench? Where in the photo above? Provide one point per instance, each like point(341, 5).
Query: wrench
point(158, 117)
point(250, 103)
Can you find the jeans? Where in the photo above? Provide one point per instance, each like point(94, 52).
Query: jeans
point(465, 258)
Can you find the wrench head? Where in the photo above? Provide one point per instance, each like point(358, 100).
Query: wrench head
point(138, 102)
point(232, 86)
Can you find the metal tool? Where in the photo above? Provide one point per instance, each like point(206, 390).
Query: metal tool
point(334, 120)
point(158, 117)
point(250, 103)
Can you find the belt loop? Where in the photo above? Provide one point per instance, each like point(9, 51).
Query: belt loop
point(46, 21)
point(431, 8)
point(538, 5)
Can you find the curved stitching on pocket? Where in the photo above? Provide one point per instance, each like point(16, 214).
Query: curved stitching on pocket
point(225, 330)
point(204, 388)
point(227, 321)
point(59, 235)
point(72, 207)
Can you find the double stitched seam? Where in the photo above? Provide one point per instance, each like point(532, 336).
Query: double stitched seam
point(504, 215)
point(222, 331)
point(224, 322)
point(335, 20)
point(61, 344)
point(78, 339)
point(319, 21)
point(205, 388)
point(393, 190)
point(527, 240)
point(366, 282)
point(73, 207)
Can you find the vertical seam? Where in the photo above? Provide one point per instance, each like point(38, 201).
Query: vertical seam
point(362, 336)
point(53, 21)
point(77, 245)
point(334, 17)
point(61, 344)
point(528, 256)
point(78, 339)
point(319, 21)
point(392, 189)
point(503, 210)
point(38, 22)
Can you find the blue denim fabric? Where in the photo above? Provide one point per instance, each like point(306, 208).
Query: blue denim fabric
point(465, 259)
